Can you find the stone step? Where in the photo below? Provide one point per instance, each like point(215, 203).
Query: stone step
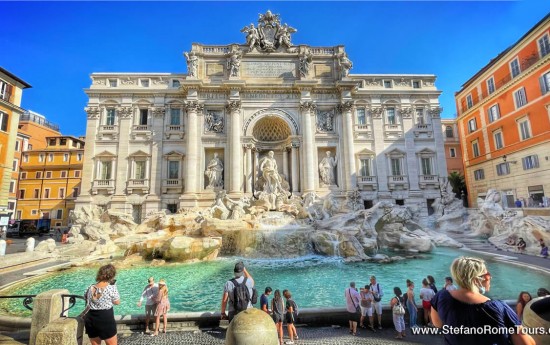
point(14, 338)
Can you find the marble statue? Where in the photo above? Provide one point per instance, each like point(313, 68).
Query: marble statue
point(345, 65)
point(214, 172)
point(192, 64)
point(252, 36)
point(269, 35)
point(219, 206)
point(234, 63)
point(326, 169)
point(283, 35)
point(213, 122)
point(312, 205)
point(270, 174)
point(305, 63)
point(237, 207)
point(330, 206)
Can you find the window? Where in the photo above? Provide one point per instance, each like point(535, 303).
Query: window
point(41, 157)
point(23, 175)
point(58, 214)
point(479, 174)
point(34, 212)
point(113, 82)
point(14, 164)
point(503, 169)
point(79, 157)
point(17, 145)
point(143, 116)
point(50, 157)
point(491, 85)
point(419, 116)
point(469, 101)
point(46, 193)
point(144, 82)
point(26, 158)
point(65, 157)
point(39, 174)
point(5, 90)
point(4, 121)
point(390, 113)
point(416, 84)
point(449, 132)
point(387, 84)
point(11, 205)
point(520, 97)
point(499, 143)
point(63, 174)
point(51, 142)
point(173, 169)
point(12, 186)
point(426, 166)
point(524, 129)
point(475, 148)
point(365, 167)
point(110, 118)
point(173, 208)
point(36, 194)
point(105, 173)
point(75, 192)
point(139, 172)
point(48, 174)
point(61, 193)
point(45, 215)
point(530, 162)
point(361, 117)
point(514, 68)
point(494, 113)
point(396, 166)
point(18, 214)
point(77, 173)
point(544, 45)
point(29, 147)
point(175, 83)
point(545, 83)
point(452, 152)
point(62, 142)
point(175, 117)
point(472, 125)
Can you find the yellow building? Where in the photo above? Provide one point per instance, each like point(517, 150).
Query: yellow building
point(49, 180)
point(11, 91)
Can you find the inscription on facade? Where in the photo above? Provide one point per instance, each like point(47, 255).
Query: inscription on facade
point(214, 69)
point(323, 71)
point(269, 69)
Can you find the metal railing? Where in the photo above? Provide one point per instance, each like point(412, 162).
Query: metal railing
point(40, 120)
point(27, 300)
point(71, 301)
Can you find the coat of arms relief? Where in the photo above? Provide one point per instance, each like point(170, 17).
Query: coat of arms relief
point(269, 35)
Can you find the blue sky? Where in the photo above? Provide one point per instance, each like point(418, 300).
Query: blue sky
point(55, 46)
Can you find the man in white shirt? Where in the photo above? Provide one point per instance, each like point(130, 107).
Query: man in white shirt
point(377, 292)
point(449, 284)
point(149, 293)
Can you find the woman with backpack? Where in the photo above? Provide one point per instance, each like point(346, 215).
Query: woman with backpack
point(291, 313)
point(277, 307)
point(398, 312)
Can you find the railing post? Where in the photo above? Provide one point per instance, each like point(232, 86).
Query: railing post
point(47, 307)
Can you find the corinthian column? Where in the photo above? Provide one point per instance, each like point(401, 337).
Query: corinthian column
point(308, 109)
point(235, 147)
point(350, 175)
point(249, 168)
point(192, 157)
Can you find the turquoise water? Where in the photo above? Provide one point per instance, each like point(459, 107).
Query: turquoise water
point(314, 281)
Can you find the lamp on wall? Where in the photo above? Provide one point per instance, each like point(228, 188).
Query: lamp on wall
point(504, 158)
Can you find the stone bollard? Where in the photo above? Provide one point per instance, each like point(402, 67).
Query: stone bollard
point(252, 327)
point(46, 308)
point(30, 245)
point(2, 247)
point(60, 331)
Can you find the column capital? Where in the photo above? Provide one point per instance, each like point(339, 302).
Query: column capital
point(124, 112)
point(405, 112)
point(435, 112)
point(376, 112)
point(308, 106)
point(233, 105)
point(92, 112)
point(295, 144)
point(193, 106)
point(249, 146)
point(159, 111)
point(346, 106)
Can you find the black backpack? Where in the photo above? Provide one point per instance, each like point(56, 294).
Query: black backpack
point(241, 295)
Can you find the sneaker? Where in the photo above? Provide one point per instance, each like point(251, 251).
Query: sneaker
point(290, 342)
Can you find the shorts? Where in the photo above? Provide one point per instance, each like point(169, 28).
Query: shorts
point(377, 306)
point(277, 317)
point(150, 309)
point(426, 305)
point(290, 318)
point(366, 311)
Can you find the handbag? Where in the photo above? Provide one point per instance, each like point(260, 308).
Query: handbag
point(398, 308)
point(82, 316)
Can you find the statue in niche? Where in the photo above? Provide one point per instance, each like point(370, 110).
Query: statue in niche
point(345, 65)
point(270, 174)
point(305, 63)
point(234, 63)
point(325, 121)
point(252, 36)
point(192, 63)
point(214, 172)
point(213, 122)
point(326, 169)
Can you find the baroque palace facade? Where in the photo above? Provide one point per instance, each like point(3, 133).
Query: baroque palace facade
point(265, 115)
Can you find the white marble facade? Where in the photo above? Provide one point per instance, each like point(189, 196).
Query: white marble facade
point(152, 138)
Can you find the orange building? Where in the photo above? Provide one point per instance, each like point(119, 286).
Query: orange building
point(504, 122)
point(453, 152)
point(11, 92)
point(32, 132)
point(49, 180)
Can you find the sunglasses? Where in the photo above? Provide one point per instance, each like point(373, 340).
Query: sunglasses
point(486, 276)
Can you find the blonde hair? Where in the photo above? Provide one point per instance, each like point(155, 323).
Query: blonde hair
point(466, 271)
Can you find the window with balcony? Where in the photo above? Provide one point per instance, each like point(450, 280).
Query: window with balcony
point(452, 152)
point(494, 113)
point(479, 174)
point(491, 85)
point(361, 117)
point(449, 133)
point(139, 170)
point(469, 101)
point(544, 81)
point(175, 117)
point(530, 162)
point(499, 141)
point(520, 98)
point(426, 164)
point(514, 68)
point(544, 45)
point(5, 90)
point(419, 112)
point(396, 169)
point(390, 116)
point(143, 114)
point(472, 125)
point(4, 118)
point(110, 117)
point(365, 167)
point(173, 169)
point(524, 128)
point(105, 170)
point(475, 148)
point(503, 169)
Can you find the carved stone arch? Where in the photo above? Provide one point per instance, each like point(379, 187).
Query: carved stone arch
point(106, 154)
point(426, 152)
point(421, 102)
point(362, 103)
point(142, 102)
point(391, 103)
point(396, 153)
point(175, 103)
point(109, 103)
point(139, 153)
point(277, 113)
